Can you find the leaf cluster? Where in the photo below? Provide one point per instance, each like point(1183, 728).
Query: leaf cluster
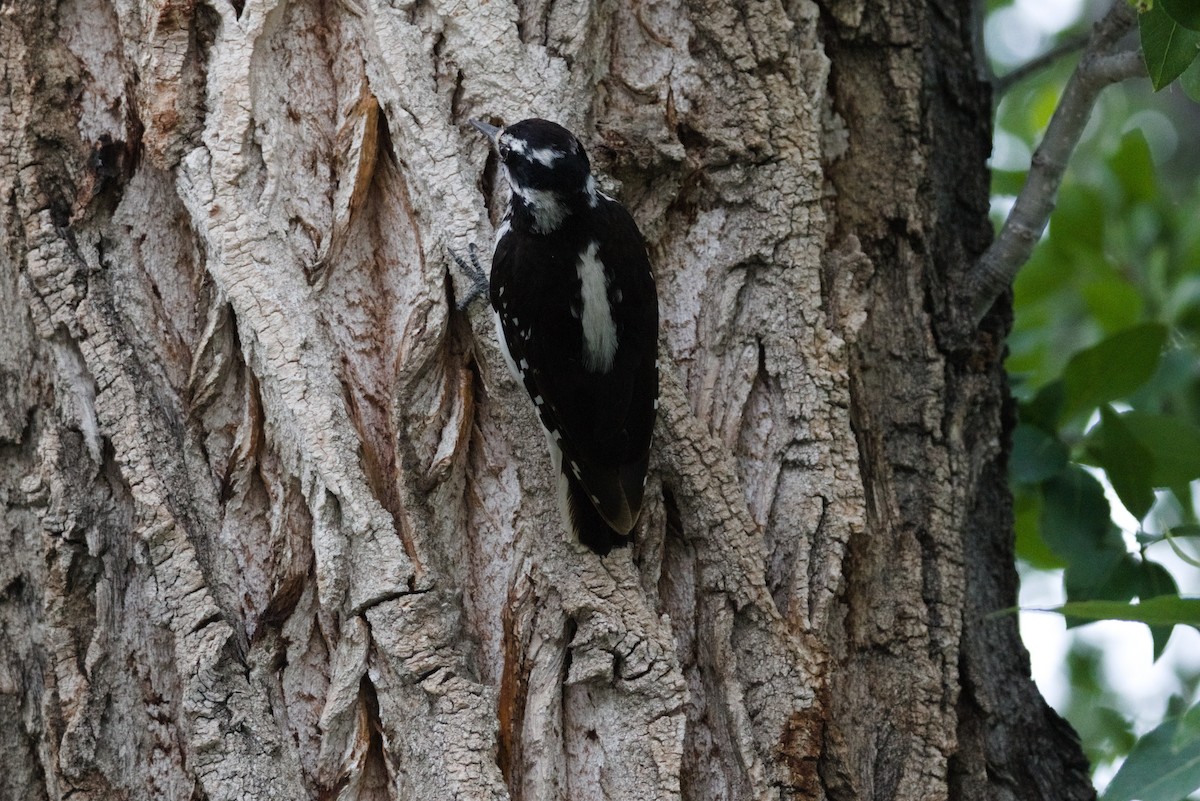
point(1170, 37)
point(1105, 363)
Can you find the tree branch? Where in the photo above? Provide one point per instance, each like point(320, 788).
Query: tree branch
point(1010, 79)
point(1098, 68)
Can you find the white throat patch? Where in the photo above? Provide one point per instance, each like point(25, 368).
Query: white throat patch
point(545, 206)
point(599, 330)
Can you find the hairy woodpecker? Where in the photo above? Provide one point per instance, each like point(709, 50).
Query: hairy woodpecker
point(577, 318)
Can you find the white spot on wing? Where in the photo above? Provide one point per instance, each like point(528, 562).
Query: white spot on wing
point(593, 200)
point(599, 330)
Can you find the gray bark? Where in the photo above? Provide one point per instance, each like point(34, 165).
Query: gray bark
point(277, 523)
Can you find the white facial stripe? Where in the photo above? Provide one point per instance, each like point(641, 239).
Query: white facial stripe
point(599, 330)
point(546, 155)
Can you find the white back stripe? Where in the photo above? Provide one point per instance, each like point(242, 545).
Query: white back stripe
point(599, 330)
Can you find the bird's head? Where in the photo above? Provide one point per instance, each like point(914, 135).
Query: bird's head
point(546, 168)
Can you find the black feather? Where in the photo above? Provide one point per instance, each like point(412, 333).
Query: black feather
point(591, 529)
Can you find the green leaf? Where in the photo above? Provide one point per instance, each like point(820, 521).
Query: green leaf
point(1189, 81)
point(1113, 368)
point(1163, 766)
point(1036, 455)
point(1042, 104)
point(1165, 610)
point(1189, 725)
point(1155, 581)
point(1105, 575)
point(1133, 166)
point(1185, 12)
point(1113, 732)
point(1045, 408)
point(1008, 182)
point(1075, 516)
point(1127, 462)
point(1174, 442)
point(1075, 524)
point(1027, 511)
point(1077, 219)
point(1114, 303)
point(1178, 371)
point(1168, 47)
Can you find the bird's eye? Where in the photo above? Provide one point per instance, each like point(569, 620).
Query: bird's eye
point(503, 149)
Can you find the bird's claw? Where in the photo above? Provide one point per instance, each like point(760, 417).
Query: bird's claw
point(475, 274)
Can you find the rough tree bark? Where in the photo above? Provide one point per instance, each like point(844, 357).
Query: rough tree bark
point(277, 523)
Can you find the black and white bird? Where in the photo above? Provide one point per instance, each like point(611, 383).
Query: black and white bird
point(577, 317)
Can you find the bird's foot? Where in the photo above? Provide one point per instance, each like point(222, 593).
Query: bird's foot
point(477, 277)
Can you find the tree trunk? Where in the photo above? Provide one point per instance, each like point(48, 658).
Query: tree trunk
point(278, 524)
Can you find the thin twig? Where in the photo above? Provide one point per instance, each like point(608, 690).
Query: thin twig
point(1010, 79)
point(1098, 68)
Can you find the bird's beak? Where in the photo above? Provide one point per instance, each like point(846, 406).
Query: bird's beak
point(490, 131)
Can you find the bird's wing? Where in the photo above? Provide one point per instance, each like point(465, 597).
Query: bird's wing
point(602, 421)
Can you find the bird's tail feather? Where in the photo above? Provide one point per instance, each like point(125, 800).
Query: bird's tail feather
point(585, 521)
